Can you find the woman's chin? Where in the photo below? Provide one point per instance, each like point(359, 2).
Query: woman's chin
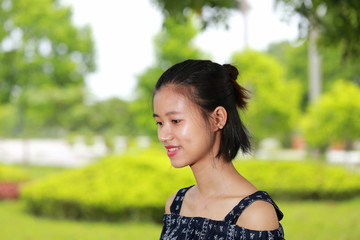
point(177, 164)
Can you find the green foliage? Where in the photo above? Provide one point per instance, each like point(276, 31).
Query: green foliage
point(275, 101)
point(337, 21)
point(43, 63)
point(47, 107)
point(334, 67)
point(210, 12)
point(136, 186)
point(12, 174)
point(41, 111)
point(39, 51)
point(294, 58)
point(106, 118)
point(301, 180)
point(175, 43)
point(7, 119)
point(142, 107)
point(334, 116)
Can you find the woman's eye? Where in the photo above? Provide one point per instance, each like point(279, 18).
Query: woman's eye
point(158, 123)
point(176, 121)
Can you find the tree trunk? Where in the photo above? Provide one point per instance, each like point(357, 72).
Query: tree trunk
point(314, 66)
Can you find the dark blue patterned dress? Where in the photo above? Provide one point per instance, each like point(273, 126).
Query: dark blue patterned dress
point(177, 227)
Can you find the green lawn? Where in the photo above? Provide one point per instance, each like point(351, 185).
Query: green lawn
point(303, 220)
point(17, 225)
point(322, 220)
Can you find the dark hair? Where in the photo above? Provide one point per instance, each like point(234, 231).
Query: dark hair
point(210, 85)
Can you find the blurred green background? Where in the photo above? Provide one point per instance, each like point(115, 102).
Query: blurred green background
point(304, 115)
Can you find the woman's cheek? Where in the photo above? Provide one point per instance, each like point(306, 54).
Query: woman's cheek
point(185, 132)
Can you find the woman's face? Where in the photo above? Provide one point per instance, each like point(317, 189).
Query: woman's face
point(181, 128)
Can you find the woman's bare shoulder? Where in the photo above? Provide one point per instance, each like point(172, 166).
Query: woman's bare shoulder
point(169, 202)
point(260, 216)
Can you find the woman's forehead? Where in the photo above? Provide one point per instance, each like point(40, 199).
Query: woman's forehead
point(168, 99)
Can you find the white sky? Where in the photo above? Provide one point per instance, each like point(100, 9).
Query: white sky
point(123, 33)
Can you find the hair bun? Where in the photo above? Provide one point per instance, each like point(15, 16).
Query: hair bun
point(241, 94)
point(233, 72)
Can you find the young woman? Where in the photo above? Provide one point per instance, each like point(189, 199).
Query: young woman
point(195, 107)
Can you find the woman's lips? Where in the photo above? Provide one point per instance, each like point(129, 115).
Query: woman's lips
point(172, 150)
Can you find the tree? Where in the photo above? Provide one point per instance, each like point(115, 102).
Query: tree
point(210, 12)
point(107, 118)
point(338, 22)
point(7, 119)
point(334, 116)
point(45, 108)
point(41, 50)
point(275, 102)
point(330, 23)
point(294, 59)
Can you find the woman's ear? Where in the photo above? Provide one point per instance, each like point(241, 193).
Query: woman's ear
point(219, 116)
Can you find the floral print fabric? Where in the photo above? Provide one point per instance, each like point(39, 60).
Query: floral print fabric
point(177, 227)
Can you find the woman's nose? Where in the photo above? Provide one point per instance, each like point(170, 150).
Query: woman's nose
point(165, 133)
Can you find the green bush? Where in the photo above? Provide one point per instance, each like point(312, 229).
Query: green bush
point(12, 174)
point(136, 186)
point(288, 180)
point(334, 116)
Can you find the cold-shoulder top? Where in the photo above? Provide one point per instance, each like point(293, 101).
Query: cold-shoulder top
point(178, 227)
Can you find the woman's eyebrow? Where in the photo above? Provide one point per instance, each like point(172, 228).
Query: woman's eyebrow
point(168, 113)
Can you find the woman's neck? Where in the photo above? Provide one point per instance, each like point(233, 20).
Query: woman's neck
point(215, 177)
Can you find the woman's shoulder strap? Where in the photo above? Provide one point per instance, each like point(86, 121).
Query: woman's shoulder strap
point(178, 200)
point(234, 214)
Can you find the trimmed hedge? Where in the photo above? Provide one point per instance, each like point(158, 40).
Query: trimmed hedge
point(12, 174)
point(136, 186)
point(10, 179)
point(288, 180)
